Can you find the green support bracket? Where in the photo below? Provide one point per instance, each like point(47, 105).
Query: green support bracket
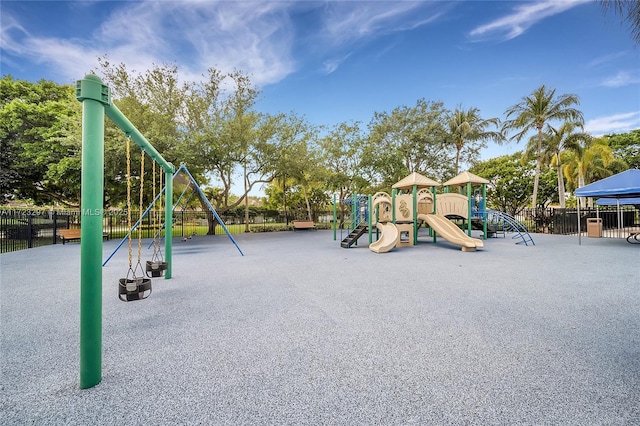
point(435, 210)
point(394, 192)
point(415, 215)
point(469, 212)
point(370, 218)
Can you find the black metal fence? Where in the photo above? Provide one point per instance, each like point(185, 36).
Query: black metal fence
point(22, 229)
point(565, 221)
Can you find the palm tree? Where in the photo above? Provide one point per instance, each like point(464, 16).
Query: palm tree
point(555, 142)
point(629, 11)
point(533, 112)
point(587, 160)
point(468, 130)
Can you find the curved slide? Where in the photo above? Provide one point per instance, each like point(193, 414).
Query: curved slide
point(388, 240)
point(450, 232)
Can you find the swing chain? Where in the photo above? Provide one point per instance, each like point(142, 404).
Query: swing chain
point(140, 206)
point(161, 208)
point(129, 198)
point(155, 216)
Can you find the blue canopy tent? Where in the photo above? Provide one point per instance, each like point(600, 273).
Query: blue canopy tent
point(625, 185)
point(616, 201)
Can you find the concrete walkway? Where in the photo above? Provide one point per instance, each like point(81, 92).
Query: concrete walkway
point(301, 331)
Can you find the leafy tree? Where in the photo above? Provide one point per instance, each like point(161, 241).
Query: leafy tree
point(341, 153)
point(555, 142)
point(409, 139)
point(511, 182)
point(295, 164)
point(209, 146)
point(225, 136)
point(40, 138)
point(153, 101)
point(468, 133)
point(532, 113)
point(626, 147)
point(548, 192)
point(587, 162)
point(210, 125)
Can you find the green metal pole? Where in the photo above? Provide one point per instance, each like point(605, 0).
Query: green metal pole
point(370, 219)
point(469, 212)
point(335, 216)
point(484, 215)
point(354, 213)
point(415, 215)
point(393, 205)
point(125, 125)
point(94, 96)
point(435, 209)
point(168, 220)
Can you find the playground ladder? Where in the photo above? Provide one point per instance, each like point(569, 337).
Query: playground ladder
point(352, 238)
point(510, 224)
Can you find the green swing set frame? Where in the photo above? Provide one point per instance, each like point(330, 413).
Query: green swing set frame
point(96, 103)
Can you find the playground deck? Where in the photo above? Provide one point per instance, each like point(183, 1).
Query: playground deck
point(511, 334)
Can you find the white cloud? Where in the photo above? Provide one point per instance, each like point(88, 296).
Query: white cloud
point(617, 123)
point(621, 79)
point(523, 17)
point(255, 37)
point(345, 24)
point(606, 59)
point(330, 65)
point(65, 55)
point(348, 22)
point(259, 38)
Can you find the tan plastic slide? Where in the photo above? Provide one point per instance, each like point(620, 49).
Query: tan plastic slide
point(450, 232)
point(388, 240)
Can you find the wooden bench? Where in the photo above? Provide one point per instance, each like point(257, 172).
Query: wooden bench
point(303, 224)
point(74, 234)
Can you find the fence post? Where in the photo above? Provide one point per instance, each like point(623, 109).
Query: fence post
point(55, 226)
point(29, 230)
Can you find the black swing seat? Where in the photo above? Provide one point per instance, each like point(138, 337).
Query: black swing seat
point(155, 269)
point(134, 289)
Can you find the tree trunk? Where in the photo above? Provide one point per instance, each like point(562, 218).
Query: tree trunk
point(211, 220)
point(560, 183)
point(536, 179)
point(581, 200)
point(306, 199)
point(284, 199)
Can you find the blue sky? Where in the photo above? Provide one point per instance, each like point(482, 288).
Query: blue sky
point(343, 61)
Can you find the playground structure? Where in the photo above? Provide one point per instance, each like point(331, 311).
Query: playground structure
point(414, 202)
